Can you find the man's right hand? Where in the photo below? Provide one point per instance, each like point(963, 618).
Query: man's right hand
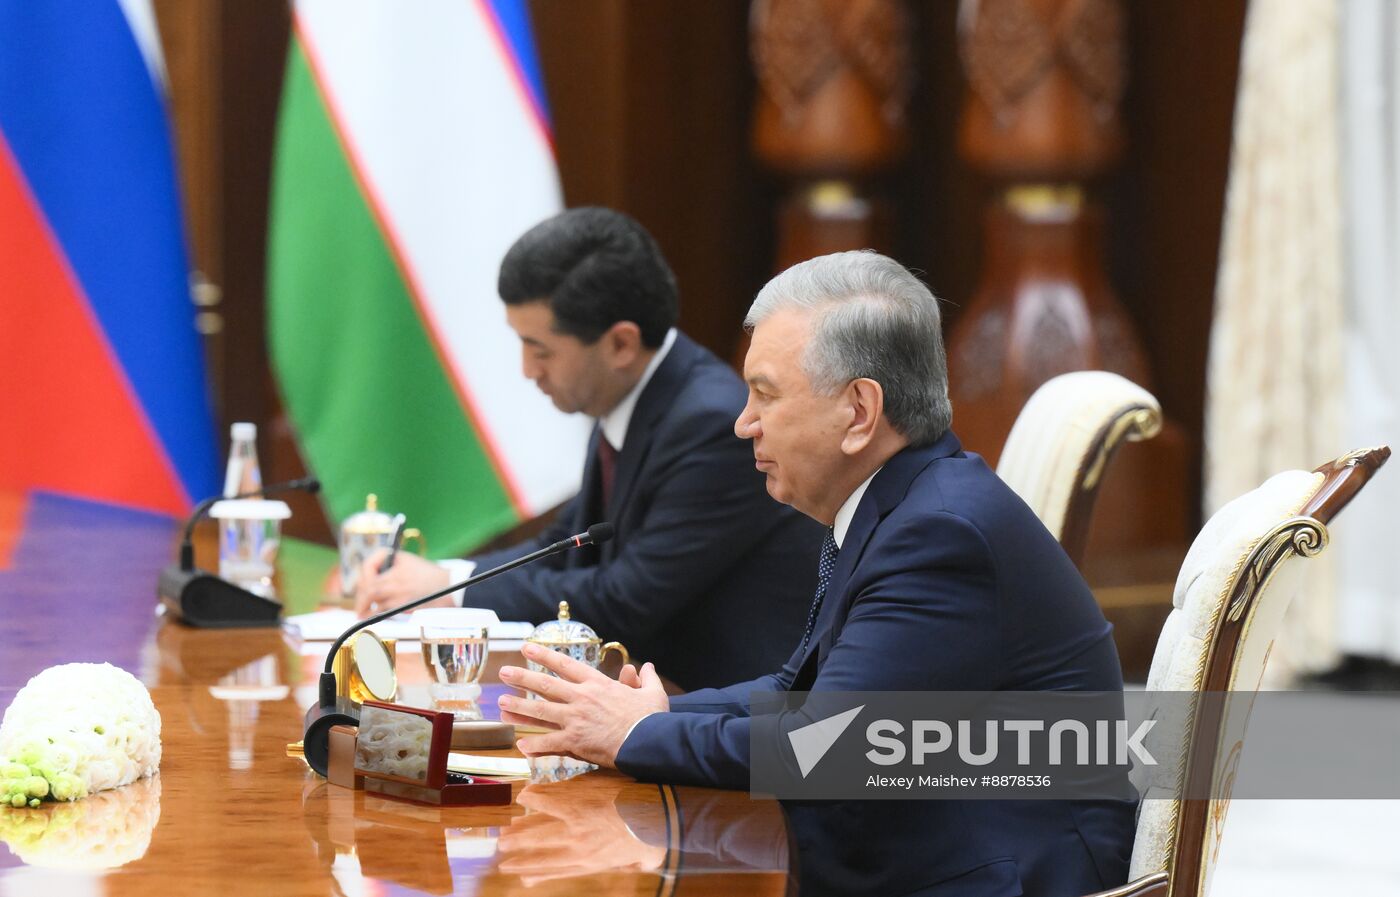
point(410, 577)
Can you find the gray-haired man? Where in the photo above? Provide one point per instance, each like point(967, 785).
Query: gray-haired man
point(934, 576)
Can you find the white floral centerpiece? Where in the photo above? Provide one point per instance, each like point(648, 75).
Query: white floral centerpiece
point(76, 729)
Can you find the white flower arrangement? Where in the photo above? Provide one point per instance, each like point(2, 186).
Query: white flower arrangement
point(76, 729)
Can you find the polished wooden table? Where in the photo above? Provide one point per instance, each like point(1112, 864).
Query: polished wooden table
point(231, 813)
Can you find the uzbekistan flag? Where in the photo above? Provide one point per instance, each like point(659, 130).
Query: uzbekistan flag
point(103, 373)
point(413, 149)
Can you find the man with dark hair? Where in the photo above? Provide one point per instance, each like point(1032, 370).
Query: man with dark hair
point(596, 267)
point(706, 573)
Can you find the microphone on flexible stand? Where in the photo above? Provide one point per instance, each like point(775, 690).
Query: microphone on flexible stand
point(203, 600)
point(331, 710)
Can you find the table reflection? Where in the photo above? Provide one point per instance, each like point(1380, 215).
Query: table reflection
point(419, 847)
point(243, 691)
point(568, 832)
point(600, 827)
point(706, 831)
point(102, 831)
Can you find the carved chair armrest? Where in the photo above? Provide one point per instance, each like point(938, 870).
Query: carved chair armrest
point(1154, 885)
point(1344, 478)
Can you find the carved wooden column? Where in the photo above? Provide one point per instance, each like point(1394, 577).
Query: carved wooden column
point(833, 79)
point(1040, 122)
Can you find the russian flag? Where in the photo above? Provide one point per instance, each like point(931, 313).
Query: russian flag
point(102, 382)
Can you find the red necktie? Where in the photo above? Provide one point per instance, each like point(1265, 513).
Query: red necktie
point(607, 466)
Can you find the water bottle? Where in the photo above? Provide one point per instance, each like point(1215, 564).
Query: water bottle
point(241, 538)
point(242, 474)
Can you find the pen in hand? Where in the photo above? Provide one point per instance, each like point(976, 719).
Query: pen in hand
point(399, 521)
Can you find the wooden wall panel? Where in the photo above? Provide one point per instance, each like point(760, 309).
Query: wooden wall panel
point(192, 48)
point(1168, 199)
point(225, 60)
point(1165, 199)
point(191, 44)
point(650, 104)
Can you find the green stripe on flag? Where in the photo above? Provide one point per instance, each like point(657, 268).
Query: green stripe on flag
point(373, 407)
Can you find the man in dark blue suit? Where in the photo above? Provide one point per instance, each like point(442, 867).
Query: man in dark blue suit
point(933, 576)
point(698, 576)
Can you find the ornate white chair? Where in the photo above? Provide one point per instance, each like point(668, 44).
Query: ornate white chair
point(1061, 443)
point(1235, 584)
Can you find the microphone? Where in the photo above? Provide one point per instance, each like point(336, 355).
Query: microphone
point(331, 710)
point(203, 600)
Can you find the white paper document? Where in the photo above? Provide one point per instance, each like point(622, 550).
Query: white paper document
point(327, 625)
point(476, 764)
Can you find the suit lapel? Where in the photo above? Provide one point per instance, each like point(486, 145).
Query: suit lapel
point(660, 391)
point(886, 491)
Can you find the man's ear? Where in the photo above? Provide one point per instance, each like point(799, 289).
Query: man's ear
point(622, 343)
point(867, 400)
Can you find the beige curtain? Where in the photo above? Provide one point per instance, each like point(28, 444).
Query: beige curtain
point(1369, 565)
point(1274, 382)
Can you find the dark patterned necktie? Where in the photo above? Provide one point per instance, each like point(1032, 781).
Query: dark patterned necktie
point(607, 467)
point(825, 566)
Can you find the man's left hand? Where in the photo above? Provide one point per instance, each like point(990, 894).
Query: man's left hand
point(591, 713)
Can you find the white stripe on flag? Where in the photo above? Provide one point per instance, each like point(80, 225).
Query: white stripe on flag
point(141, 19)
point(451, 149)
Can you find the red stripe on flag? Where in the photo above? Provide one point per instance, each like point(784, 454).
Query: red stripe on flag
point(69, 420)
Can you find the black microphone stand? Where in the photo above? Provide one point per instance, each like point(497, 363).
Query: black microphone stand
point(205, 601)
point(333, 710)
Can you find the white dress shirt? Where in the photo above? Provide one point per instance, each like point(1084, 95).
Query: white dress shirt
point(614, 424)
point(848, 510)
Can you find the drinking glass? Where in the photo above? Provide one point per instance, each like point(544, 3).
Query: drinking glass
point(455, 656)
point(250, 531)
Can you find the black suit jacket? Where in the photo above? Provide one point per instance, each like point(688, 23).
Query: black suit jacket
point(707, 576)
point(945, 581)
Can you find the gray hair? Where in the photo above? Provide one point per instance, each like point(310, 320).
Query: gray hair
point(876, 320)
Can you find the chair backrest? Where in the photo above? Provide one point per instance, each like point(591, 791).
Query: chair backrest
point(1230, 598)
point(1062, 441)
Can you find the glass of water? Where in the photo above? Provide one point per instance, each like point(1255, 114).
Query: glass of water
point(455, 656)
point(250, 530)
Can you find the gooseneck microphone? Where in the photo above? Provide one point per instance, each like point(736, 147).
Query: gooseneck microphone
point(203, 600)
point(309, 484)
point(331, 710)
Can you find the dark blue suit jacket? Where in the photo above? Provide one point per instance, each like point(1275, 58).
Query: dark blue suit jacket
point(707, 576)
point(945, 581)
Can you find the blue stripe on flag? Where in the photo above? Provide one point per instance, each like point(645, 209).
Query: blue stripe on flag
point(89, 130)
point(514, 19)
